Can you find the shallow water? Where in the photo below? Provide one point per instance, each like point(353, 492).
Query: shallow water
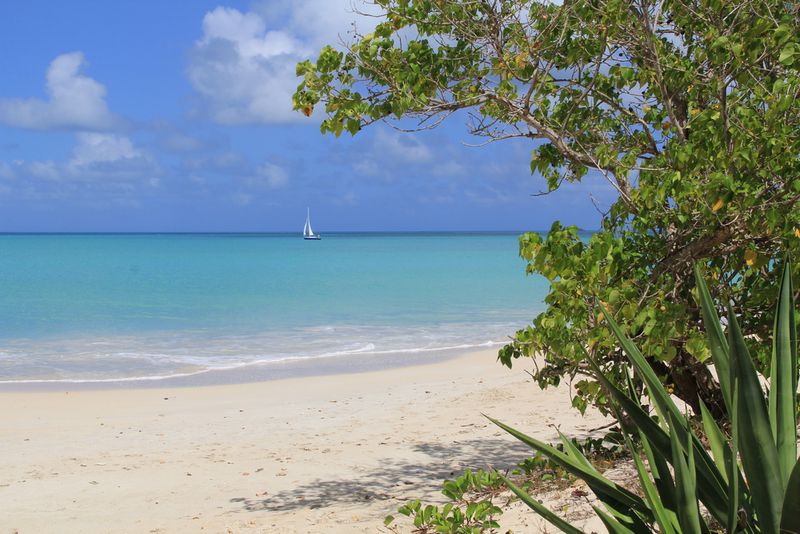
point(108, 307)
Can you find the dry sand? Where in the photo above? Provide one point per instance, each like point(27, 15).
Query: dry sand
point(313, 454)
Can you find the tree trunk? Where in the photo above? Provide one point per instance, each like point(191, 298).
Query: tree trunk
point(694, 382)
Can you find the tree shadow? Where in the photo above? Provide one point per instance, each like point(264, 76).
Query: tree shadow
point(401, 480)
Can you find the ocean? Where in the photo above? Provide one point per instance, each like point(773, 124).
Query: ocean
point(102, 308)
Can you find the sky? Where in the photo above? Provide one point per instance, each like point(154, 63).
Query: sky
point(145, 116)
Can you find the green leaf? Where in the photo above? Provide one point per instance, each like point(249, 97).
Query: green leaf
point(352, 126)
point(388, 520)
point(663, 403)
point(685, 484)
point(713, 484)
point(613, 526)
point(620, 510)
point(788, 53)
point(573, 452)
point(759, 455)
point(710, 484)
point(790, 515)
point(662, 477)
point(539, 508)
point(716, 441)
point(716, 338)
point(603, 488)
point(663, 517)
point(783, 378)
point(733, 466)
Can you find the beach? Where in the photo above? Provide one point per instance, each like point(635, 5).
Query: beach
point(331, 453)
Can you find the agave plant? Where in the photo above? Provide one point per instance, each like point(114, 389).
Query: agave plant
point(748, 482)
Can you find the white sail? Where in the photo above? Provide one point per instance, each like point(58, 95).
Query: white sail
point(307, 231)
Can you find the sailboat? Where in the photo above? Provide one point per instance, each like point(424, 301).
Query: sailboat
point(308, 233)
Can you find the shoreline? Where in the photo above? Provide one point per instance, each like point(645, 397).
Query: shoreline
point(262, 371)
point(331, 453)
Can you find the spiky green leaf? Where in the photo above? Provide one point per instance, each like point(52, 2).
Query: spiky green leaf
point(733, 466)
point(717, 343)
point(783, 378)
point(539, 508)
point(685, 483)
point(759, 455)
point(664, 518)
point(613, 526)
point(716, 441)
point(662, 478)
point(712, 486)
point(663, 403)
point(605, 489)
point(790, 515)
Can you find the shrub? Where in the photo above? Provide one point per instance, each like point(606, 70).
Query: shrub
point(749, 481)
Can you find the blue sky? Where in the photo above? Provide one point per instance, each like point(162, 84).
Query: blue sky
point(176, 116)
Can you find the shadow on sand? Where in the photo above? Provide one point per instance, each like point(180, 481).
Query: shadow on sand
point(396, 479)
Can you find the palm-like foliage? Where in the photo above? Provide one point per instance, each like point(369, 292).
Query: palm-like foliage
point(748, 482)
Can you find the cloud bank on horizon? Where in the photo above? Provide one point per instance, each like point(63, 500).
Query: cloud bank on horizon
point(230, 150)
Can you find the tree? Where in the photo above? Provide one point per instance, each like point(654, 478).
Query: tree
point(688, 108)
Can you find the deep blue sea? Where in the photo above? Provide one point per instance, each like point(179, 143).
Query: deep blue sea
point(111, 307)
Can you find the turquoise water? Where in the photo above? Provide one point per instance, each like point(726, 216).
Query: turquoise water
point(120, 307)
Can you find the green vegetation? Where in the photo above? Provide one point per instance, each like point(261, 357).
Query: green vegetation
point(759, 494)
point(473, 506)
point(746, 476)
point(687, 108)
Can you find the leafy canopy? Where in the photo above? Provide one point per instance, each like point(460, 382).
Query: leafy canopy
point(688, 108)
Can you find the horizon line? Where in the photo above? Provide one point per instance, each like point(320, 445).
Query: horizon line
point(286, 232)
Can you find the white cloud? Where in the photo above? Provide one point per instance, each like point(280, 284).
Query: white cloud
point(437, 199)
point(244, 72)
point(179, 142)
point(403, 147)
point(96, 158)
point(489, 195)
point(74, 101)
point(348, 199)
point(229, 160)
point(226, 163)
point(95, 148)
point(46, 170)
point(243, 67)
point(242, 199)
point(111, 158)
point(449, 168)
point(391, 154)
point(6, 171)
point(270, 176)
point(318, 22)
point(367, 167)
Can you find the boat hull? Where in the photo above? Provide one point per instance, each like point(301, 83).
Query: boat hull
point(312, 238)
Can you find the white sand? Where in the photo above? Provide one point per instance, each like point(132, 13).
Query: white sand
point(313, 454)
